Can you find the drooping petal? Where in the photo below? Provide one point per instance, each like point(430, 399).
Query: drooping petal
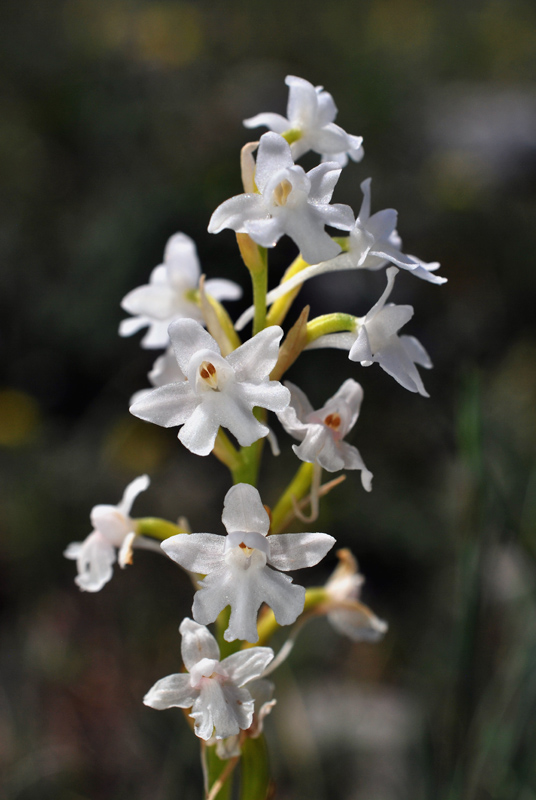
point(199, 431)
point(213, 596)
point(416, 351)
point(358, 623)
point(157, 334)
point(197, 643)
point(352, 460)
point(196, 552)
point(246, 665)
point(174, 691)
point(234, 412)
point(243, 510)
point(133, 489)
point(396, 362)
point(94, 563)
point(169, 405)
point(266, 232)
point(254, 360)
point(306, 229)
point(284, 598)
point(298, 550)
point(299, 401)
point(242, 705)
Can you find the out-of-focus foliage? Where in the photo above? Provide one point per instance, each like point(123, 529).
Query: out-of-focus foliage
point(120, 123)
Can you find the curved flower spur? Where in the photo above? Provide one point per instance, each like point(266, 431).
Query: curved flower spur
point(241, 568)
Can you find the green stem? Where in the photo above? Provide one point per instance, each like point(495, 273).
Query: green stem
point(297, 489)
point(255, 770)
point(215, 767)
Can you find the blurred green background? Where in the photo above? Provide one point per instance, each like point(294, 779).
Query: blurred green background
point(120, 124)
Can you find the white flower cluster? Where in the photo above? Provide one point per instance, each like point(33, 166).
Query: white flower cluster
point(208, 379)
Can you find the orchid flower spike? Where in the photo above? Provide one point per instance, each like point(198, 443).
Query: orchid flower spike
point(321, 432)
point(376, 340)
point(170, 293)
point(113, 530)
point(213, 689)
point(289, 201)
point(242, 568)
point(310, 118)
point(347, 614)
point(217, 391)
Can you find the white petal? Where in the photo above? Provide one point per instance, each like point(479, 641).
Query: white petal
point(197, 643)
point(235, 212)
point(299, 401)
point(265, 232)
point(254, 360)
point(352, 460)
point(169, 405)
point(284, 598)
point(199, 432)
point(196, 552)
point(327, 110)
point(323, 180)
point(174, 691)
point(313, 442)
point(188, 337)
point(382, 223)
point(270, 394)
point(129, 326)
point(243, 510)
point(246, 665)
point(302, 102)
point(213, 596)
point(111, 523)
point(360, 349)
point(154, 302)
point(222, 289)
point(416, 351)
point(329, 139)
point(157, 335)
point(274, 122)
point(94, 563)
point(133, 489)
point(306, 229)
point(395, 361)
point(182, 262)
point(392, 272)
point(357, 624)
point(298, 550)
point(273, 155)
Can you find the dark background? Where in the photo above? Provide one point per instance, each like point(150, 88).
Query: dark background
point(120, 124)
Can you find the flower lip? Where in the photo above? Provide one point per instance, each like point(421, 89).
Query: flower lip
point(205, 668)
point(248, 540)
point(208, 371)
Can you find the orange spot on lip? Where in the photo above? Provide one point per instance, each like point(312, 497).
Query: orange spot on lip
point(332, 421)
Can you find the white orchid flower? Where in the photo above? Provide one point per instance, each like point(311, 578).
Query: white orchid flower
point(169, 293)
point(262, 692)
point(348, 615)
point(242, 568)
point(373, 243)
point(376, 340)
point(289, 201)
point(213, 689)
point(113, 530)
point(217, 391)
point(310, 113)
point(322, 432)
